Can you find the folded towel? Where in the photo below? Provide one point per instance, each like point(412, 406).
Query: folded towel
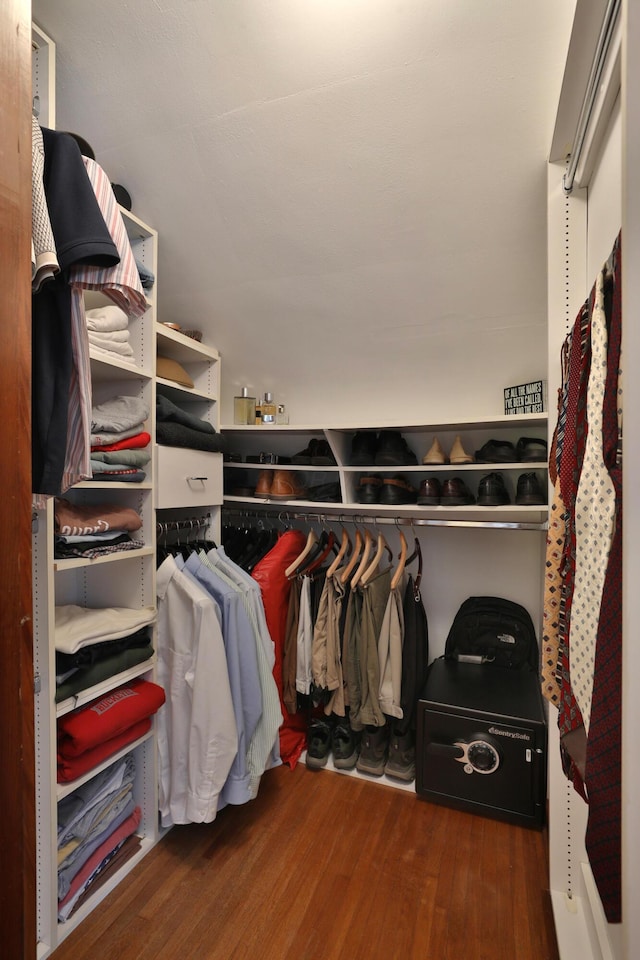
point(106, 318)
point(124, 351)
point(118, 414)
point(108, 337)
point(120, 349)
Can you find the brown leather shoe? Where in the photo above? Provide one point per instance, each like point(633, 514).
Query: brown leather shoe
point(455, 493)
point(285, 486)
point(263, 486)
point(430, 492)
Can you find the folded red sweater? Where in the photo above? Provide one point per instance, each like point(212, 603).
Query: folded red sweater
point(71, 768)
point(103, 719)
point(129, 443)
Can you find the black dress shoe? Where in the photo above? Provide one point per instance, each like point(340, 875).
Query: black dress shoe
point(369, 489)
point(455, 493)
point(397, 490)
point(492, 491)
point(323, 456)
point(393, 450)
point(305, 456)
point(529, 493)
point(496, 451)
point(327, 492)
point(531, 449)
point(430, 492)
point(363, 448)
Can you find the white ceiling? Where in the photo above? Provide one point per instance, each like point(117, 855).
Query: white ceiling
point(347, 192)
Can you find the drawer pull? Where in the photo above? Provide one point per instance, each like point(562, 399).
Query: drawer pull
point(202, 479)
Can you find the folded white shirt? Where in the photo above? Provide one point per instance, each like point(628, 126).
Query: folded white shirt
point(77, 627)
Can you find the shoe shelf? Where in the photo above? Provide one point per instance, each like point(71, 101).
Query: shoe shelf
point(271, 442)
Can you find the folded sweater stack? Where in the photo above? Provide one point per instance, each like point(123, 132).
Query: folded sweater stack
point(94, 732)
point(120, 447)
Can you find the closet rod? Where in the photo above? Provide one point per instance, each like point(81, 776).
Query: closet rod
point(591, 92)
point(166, 526)
point(412, 521)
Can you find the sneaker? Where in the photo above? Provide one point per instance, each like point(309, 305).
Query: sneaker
point(373, 750)
point(345, 746)
point(401, 764)
point(319, 744)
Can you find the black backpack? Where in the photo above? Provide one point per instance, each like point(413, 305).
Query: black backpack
point(495, 631)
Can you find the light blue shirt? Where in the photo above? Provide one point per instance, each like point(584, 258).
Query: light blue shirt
point(242, 665)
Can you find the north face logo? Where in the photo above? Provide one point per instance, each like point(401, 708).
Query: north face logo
point(506, 638)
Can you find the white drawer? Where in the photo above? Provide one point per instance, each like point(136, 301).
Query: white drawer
point(187, 478)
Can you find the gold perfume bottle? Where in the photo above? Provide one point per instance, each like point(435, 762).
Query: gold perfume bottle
point(268, 409)
point(244, 408)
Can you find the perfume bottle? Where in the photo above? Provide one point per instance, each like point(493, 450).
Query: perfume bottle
point(244, 408)
point(258, 412)
point(281, 414)
point(268, 409)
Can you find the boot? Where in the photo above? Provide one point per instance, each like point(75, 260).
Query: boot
point(373, 750)
point(318, 745)
point(285, 486)
point(263, 487)
point(344, 745)
point(401, 764)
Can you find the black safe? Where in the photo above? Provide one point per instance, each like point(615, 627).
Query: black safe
point(481, 741)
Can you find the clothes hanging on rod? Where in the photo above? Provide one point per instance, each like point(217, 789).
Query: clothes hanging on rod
point(92, 250)
point(338, 677)
point(215, 658)
point(582, 643)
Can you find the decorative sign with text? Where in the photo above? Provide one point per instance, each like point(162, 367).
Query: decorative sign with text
point(526, 398)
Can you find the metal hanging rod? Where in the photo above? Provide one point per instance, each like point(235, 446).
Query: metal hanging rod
point(591, 92)
point(409, 521)
point(173, 526)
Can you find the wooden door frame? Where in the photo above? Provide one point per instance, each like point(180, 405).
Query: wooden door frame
point(17, 789)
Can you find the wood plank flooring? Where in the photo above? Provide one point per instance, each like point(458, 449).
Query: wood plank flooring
point(326, 867)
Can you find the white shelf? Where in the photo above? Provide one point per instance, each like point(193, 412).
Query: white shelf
point(181, 394)
point(182, 348)
point(75, 562)
point(475, 423)
point(99, 689)
point(64, 789)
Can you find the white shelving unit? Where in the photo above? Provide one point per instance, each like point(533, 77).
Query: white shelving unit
point(190, 481)
point(125, 579)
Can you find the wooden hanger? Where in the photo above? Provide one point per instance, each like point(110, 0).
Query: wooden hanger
point(355, 554)
point(327, 542)
point(312, 539)
point(345, 546)
point(397, 577)
point(364, 562)
point(373, 567)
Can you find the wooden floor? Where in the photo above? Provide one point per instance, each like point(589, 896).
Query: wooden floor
point(327, 867)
